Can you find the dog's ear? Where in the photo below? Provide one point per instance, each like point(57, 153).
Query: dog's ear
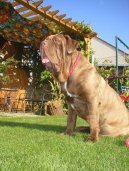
point(71, 44)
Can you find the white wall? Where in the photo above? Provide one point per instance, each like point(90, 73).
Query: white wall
point(104, 51)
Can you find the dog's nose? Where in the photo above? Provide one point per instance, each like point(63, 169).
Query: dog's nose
point(44, 43)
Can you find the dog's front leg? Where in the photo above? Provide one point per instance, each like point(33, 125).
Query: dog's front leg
point(71, 121)
point(93, 119)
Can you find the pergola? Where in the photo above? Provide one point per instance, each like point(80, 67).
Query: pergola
point(42, 19)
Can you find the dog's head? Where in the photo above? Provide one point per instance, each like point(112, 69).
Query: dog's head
point(56, 51)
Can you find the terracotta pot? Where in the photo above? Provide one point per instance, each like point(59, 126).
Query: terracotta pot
point(54, 107)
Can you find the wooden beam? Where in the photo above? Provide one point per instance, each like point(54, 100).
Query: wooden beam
point(48, 16)
point(45, 8)
point(59, 17)
point(35, 3)
point(53, 12)
point(28, 14)
point(38, 3)
point(15, 4)
point(67, 20)
point(72, 23)
point(87, 47)
point(35, 17)
point(22, 9)
point(55, 19)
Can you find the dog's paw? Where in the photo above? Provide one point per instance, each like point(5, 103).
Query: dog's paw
point(92, 138)
point(94, 135)
point(68, 132)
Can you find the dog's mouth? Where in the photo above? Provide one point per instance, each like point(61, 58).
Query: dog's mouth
point(45, 61)
point(44, 57)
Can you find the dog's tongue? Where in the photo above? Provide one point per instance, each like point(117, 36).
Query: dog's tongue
point(43, 55)
point(45, 60)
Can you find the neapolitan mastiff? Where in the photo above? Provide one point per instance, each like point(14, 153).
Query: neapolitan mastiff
point(88, 95)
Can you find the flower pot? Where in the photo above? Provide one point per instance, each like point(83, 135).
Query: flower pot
point(54, 107)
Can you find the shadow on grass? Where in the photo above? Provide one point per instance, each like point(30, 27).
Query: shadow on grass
point(120, 143)
point(83, 129)
point(42, 127)
point(54, 128)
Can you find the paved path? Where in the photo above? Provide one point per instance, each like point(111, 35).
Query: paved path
point(19, 114)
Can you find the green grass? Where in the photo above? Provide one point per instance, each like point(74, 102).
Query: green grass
point(38, 144)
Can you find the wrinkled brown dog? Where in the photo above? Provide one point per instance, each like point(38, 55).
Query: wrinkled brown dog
point(88, 95)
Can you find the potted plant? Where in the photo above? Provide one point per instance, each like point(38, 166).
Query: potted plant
point(55, 105)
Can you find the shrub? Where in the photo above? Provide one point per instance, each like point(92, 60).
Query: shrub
point(5, 64)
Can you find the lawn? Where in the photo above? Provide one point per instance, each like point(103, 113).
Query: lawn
point(38, 144)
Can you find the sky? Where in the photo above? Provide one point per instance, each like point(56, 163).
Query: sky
point(108, 18)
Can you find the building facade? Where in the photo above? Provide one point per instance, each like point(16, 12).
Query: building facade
point(105, 54)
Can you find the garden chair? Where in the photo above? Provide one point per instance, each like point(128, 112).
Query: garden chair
point(14, 100)
point(30, 99)
point(24, 100)
point(39, 99)
point(5, 98)
point(3, 95)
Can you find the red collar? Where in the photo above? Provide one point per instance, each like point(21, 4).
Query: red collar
point(74, 65)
